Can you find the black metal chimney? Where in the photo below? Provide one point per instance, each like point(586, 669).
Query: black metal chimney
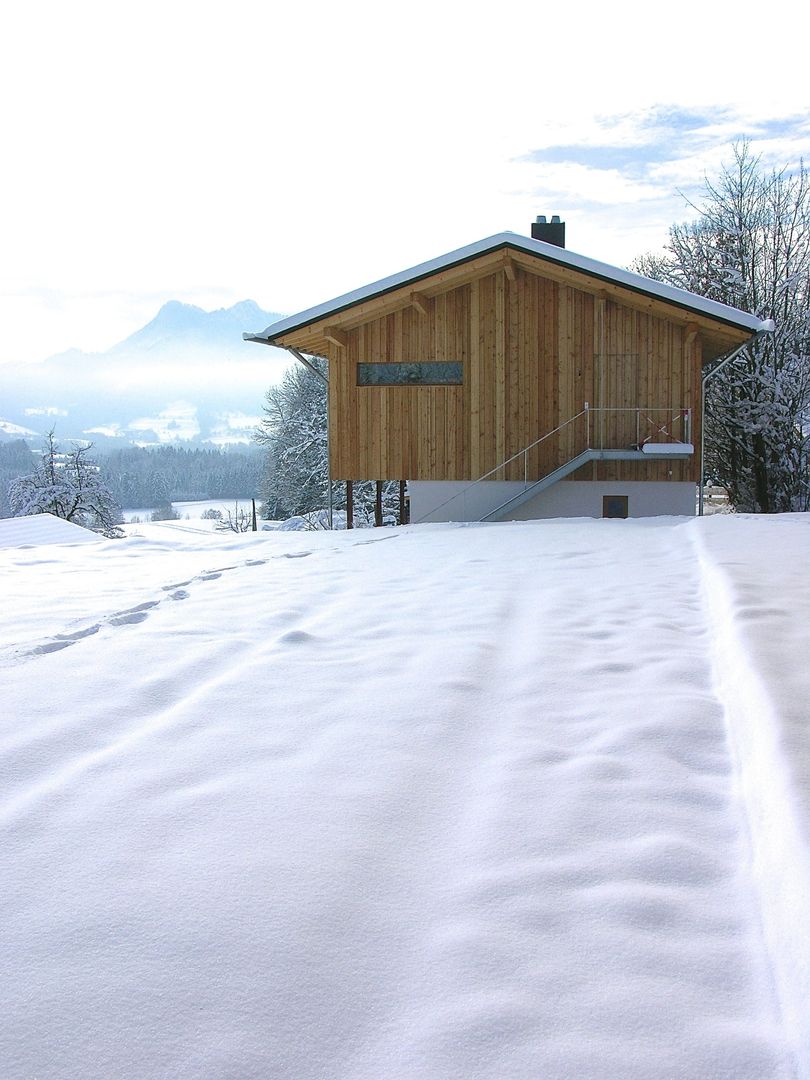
point(552, 232)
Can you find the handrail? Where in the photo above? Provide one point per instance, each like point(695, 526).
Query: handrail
point(503, 464)
point(526, 449)
point(674, 412)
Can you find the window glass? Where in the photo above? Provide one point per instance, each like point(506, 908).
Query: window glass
point(435, 373)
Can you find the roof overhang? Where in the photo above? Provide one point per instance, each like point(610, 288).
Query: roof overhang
point(305, 329)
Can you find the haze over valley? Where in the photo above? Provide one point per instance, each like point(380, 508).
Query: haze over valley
point(186, 376)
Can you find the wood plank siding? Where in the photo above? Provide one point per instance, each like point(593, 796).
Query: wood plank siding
point(535, 342)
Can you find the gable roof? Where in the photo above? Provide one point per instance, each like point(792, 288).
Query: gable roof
point(547, 253)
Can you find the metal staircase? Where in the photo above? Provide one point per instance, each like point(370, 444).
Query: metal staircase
point(640, 427)
point(572, 466)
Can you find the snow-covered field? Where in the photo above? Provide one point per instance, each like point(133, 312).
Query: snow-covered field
point(445, 802)
point(193, 511)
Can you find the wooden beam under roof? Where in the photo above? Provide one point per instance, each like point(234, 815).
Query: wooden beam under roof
point(421, 303)
point(336, 336)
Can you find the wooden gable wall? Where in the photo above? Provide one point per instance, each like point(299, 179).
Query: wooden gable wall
point(533, 350)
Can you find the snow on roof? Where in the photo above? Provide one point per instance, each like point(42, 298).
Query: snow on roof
point(42, 529)
point(550, 253)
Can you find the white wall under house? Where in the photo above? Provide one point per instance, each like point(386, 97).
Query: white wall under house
point(439, 500)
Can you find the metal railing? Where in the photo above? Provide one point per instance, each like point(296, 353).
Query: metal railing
point(636, 426)
point(600, 429)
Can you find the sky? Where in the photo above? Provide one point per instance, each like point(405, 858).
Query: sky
point(287, 154)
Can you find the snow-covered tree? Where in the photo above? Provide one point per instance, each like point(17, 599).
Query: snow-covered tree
point(293, 432)
point(15, 460)
point(294, 435)
point(68, 486)
point(750, 247)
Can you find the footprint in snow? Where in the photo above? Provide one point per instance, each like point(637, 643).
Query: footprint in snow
point(132, 615)
point(296, 637)
point(376, 540)
point(126, 620)
point(138, 607)
point(120, 618)
point(295, 554)
point(77, 635)
point(62, 641)
point(179, 594)
point(52, 646)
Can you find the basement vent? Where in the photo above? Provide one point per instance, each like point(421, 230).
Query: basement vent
point(435, 373)
point(614, 506)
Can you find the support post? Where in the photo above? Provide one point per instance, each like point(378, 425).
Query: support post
point(378, 518)
point(349, 505)
point(402, 505)
point(703, 381)
point(253, 516)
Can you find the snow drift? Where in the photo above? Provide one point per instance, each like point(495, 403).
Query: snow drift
point(433, 802)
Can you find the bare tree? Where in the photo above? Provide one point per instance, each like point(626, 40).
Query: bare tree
point(240, 520)
point(750, 247)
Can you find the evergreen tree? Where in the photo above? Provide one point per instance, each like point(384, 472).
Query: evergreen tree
point(142, 477)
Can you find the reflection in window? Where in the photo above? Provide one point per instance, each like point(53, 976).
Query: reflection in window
point(436, 373)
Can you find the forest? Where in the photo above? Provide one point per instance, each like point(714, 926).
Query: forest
point(143, 477)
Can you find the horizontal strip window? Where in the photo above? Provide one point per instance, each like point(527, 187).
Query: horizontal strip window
point(437, 373)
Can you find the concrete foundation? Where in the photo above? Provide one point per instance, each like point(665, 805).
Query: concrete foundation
point(440, 500)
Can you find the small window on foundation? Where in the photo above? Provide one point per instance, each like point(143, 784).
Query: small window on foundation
point(614, 506)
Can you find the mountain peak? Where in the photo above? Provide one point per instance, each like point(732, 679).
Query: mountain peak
point(178, 324)
point(183, 355)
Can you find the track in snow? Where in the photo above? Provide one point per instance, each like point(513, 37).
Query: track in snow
point(457, 805)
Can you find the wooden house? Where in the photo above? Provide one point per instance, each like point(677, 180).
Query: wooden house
point(514, 378)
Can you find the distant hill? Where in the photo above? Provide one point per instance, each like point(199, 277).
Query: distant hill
point(184, 326)
point(187, 375)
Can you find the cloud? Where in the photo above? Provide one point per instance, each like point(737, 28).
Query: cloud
point(299, 178)
point(630, 174)
point(637, 143)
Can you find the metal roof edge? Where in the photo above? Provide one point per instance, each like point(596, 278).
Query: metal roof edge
point(550, 252)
